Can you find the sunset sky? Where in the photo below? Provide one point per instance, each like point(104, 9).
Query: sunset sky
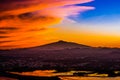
point(29, 23)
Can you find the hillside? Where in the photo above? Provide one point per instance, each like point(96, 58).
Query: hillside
point(61, 45)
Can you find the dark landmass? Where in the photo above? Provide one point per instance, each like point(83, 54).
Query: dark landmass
point(61, 56)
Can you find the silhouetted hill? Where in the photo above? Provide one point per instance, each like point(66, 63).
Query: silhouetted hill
point(61, 45)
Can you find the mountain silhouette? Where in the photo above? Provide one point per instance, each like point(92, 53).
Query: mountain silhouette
point(61, 45)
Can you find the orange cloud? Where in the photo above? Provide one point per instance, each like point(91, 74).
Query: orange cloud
point(25, 6)
point(26, 23)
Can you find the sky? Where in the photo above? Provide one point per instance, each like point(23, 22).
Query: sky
point(30, 23)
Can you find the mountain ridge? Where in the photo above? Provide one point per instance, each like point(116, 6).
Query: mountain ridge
point(61, 44)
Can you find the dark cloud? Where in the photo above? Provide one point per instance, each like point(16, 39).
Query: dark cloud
point(3, 32)
point(5, 1)
point(4, 36)
point(6, 17)
point(8, 1)
point(8, 28)
point(6, 5)
point(42, 29)
point(25, 15)
point(5, 41)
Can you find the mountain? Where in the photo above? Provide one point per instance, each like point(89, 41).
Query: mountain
point(61, 45)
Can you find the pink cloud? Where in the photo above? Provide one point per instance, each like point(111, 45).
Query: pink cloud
point(63, 12)
point(36, 5)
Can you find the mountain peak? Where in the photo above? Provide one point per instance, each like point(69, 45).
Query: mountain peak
point(61, 44)
point(61, 41)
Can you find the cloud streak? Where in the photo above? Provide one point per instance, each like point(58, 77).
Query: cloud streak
point(30, 20)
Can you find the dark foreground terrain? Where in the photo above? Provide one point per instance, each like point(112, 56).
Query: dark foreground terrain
point(71, 56)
